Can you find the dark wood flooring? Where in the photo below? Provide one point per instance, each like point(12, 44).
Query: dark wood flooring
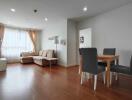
point(31, 82)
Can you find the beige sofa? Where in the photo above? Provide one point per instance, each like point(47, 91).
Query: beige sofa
point(3, 64)
point(27, 57)
point(40, 58)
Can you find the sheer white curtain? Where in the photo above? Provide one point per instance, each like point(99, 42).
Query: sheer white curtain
point(15, 41)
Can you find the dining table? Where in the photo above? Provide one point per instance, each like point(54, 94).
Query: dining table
point(107, 59)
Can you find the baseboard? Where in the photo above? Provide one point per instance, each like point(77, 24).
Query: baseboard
point(68, 66)
point(12, 62)
point(73, 66)
point(61, 65)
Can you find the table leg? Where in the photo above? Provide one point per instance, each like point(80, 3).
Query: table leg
point(108, 73)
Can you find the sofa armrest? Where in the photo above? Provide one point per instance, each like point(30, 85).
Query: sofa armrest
point(26, 54)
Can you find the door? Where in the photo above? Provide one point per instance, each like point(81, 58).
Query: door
point(85, 38)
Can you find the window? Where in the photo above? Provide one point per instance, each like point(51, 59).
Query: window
point(15, 41)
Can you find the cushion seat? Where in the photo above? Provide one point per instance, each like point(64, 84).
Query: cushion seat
point(38, 57)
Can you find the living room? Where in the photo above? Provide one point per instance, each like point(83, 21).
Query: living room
point(40, 43)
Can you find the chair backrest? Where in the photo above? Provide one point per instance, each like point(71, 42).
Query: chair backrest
point(131, 65)
point(89, 60)
point(109, 51)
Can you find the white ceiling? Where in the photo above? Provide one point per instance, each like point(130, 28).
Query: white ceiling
point(55, 10)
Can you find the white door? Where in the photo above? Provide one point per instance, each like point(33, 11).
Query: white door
point(85, 38)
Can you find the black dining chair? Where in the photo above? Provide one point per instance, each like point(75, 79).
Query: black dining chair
point(90, 64)
point(108, 51)
point(122, 69)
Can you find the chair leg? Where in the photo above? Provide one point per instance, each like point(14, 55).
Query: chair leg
point(82, 77)
point(85, 74)
point(111, 77)
point(116, 76)
point(88, 76)
point(104, 78)
point(95, 82)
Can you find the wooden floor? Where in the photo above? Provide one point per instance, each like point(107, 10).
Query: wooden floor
point(31, 82)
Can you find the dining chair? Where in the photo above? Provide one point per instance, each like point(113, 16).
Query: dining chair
point(108, 51)
point(89, 64)
point(122, 69)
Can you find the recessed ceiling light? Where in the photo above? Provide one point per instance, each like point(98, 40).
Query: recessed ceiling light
point(13, 10)
point(85, 9)
point(46, 19)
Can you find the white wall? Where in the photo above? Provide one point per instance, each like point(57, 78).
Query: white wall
point(66, 30)
point(112, 29)
point(72, 48)
point(56, 29)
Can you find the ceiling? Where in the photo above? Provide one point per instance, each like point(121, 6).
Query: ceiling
point(54, 10)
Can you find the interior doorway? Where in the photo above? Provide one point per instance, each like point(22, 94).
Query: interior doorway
point(85, 38)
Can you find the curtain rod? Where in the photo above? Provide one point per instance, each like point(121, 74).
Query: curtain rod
point(20, 28)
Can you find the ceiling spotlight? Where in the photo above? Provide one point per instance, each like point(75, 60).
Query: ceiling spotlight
point(46, 19)
point(35, 10)
point(13, 10)
point(85, 9)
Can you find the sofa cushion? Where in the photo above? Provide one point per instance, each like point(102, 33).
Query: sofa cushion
point(44, 53)
point(50, 53)
point(40, 52)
